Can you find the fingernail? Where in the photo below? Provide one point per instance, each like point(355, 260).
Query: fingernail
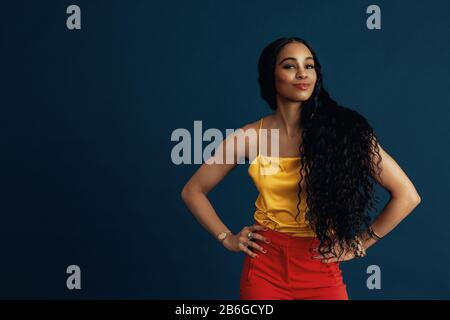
point(265, 251)
point(265, 229)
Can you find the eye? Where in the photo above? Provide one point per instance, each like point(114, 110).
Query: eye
point(310, 65)
point(288, 66)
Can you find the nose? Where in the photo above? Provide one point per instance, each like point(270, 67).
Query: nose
point(301, 74)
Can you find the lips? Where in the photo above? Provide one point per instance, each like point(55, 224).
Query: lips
point(302, 86)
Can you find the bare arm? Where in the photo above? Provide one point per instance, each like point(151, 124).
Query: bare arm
point(233, 149)
point(404, 197)
point(194, 193)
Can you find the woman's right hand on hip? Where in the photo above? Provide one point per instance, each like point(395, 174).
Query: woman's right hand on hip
point(242, 241)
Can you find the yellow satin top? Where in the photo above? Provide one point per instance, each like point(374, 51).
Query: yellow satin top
point(276, 179)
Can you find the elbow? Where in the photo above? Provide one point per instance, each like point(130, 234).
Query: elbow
point(190, 191)
point(184, 193)
point(415, 199)
point(187, 192)
point(410, 199)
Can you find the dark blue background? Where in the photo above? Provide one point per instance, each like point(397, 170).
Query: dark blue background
point(87, 115)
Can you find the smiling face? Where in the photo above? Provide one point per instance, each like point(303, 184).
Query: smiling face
point(295, 74)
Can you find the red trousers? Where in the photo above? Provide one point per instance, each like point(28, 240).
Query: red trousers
point(287, 271)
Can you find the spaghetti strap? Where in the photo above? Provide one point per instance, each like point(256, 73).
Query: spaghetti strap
point(259, 135)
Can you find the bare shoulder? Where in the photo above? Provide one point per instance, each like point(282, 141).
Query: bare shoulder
point(249, 134)
point(255, 124)
point(249, 130)
point(251, 125)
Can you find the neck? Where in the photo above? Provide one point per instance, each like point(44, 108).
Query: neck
point(287, 117)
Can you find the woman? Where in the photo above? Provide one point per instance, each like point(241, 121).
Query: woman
point(312, 213)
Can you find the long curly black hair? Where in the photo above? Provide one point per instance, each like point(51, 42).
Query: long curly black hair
point(339, 156)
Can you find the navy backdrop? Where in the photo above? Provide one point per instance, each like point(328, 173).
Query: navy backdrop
point(87, 115)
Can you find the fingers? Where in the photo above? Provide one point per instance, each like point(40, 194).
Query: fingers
point(330, 258)
point(256, 235)
point(256, 246)
point(256, 227)
point(325, 258)
point(247, 250)
point(245, 241)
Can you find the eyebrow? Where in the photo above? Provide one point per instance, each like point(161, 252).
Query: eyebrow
point(292, 58)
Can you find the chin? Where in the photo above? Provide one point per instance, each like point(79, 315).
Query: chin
point(302, 98)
